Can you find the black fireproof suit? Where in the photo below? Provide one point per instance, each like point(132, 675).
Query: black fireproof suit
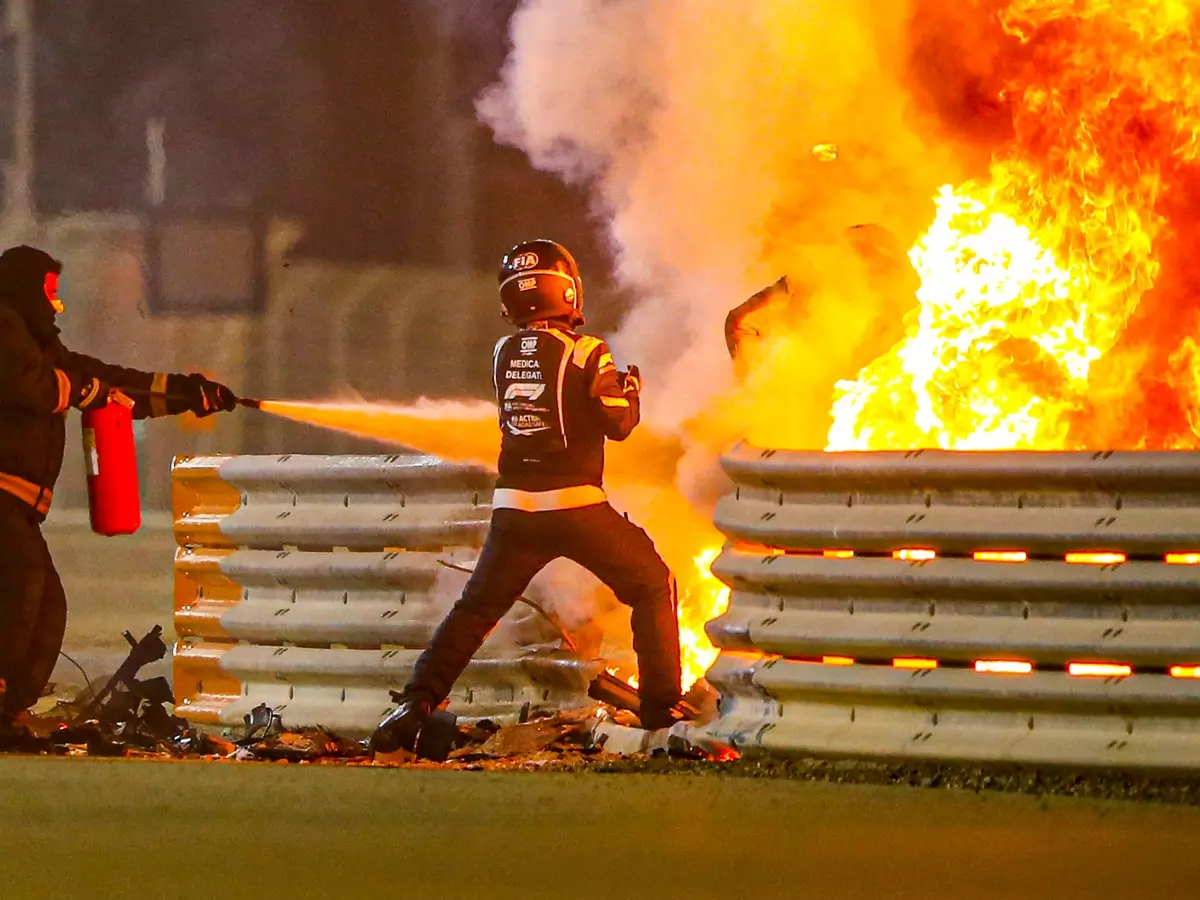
point(560, 397)
point(40, 380)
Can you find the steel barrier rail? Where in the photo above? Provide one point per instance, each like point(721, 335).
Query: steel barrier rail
point(311, 584)
point(408, 501)
point(922, 605)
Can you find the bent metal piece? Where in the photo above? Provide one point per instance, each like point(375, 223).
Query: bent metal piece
point(150, 648)
point(1018, 607)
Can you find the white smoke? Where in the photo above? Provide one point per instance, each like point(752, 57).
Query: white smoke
point(694, 125)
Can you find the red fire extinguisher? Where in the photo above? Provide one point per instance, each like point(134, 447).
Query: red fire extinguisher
point(110, 457)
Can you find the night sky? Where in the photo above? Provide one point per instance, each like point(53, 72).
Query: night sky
point(320, 109)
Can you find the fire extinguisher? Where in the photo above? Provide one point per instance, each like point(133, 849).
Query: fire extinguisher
point(110, 457)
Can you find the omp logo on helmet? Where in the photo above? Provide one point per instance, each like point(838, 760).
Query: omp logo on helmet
point(526, 284)
point(524, 391)
point(528, 345)
point(524, 261)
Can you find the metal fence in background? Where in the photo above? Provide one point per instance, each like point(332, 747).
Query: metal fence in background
point(1023, 607)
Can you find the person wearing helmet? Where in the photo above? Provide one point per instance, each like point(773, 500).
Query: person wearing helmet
point(40, 380)
point(560, 396)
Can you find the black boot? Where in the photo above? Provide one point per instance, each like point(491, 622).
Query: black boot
point(399, 731)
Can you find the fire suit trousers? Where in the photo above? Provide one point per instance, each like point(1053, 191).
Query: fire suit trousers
point(519, 544)
point(33, 609)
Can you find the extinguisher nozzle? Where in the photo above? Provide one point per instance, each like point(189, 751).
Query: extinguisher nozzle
point(252, 404)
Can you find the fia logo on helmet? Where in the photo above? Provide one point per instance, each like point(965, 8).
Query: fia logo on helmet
point(523, 261)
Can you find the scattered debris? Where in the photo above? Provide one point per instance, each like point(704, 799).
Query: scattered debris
point(306, 745)
point(261, 723)
point(124, 716)
point(127, 716)
point(529, 737)
point(699, 705)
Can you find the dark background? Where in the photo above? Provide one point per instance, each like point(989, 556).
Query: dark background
point(339, 112)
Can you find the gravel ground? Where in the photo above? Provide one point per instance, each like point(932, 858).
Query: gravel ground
point(1145, 787)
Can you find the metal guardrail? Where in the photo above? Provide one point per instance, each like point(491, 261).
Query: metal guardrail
point(1021, 607)
point(311, 583)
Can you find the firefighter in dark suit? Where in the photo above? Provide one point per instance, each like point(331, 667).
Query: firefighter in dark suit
point(560, 396)
point(40, 380)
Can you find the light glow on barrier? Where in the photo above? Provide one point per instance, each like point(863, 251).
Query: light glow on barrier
point(838, 660)
point(1099, 670)
point(838, 554)
point(1096, 559)
point(1000, 556)
point(998, 638)
point(757, 549)
point(914, 554)
point(911, 662)
point(1003, 666)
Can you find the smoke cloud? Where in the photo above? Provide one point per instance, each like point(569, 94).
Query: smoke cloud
point(694, 126)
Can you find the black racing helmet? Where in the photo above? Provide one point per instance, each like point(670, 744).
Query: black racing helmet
point(540, 280)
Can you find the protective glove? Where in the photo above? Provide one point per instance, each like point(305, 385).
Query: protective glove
point(631, 380)
point(91, 393)
point(200, 395)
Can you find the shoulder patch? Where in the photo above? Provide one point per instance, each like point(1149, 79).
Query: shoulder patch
point(585, 346)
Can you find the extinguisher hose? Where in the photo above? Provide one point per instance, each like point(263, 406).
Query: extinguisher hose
point(248, 402)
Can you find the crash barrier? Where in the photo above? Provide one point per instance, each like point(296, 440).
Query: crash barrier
point(999, 606)
point(311, 583)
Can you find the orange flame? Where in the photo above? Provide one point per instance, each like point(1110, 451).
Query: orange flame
point(1004, 556)
point(1030, 277)
point(1099, 670)
point(1095, 559)
point(630, 679)
point(914, 554)
point(1003, 666)
point(705, 598)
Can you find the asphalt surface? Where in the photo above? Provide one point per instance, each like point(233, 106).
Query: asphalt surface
point(94, 828)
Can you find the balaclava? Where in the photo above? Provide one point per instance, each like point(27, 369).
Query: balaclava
point(23, 272)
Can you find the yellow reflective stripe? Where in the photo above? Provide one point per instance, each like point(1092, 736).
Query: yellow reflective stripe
point(93, 390)
point(64, 390)
point(614, 401)
point(158, 394)
point(27, 492)
point(585, 346)
point(548, 501)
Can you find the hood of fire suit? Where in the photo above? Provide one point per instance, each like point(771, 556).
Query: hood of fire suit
point(23, 273)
